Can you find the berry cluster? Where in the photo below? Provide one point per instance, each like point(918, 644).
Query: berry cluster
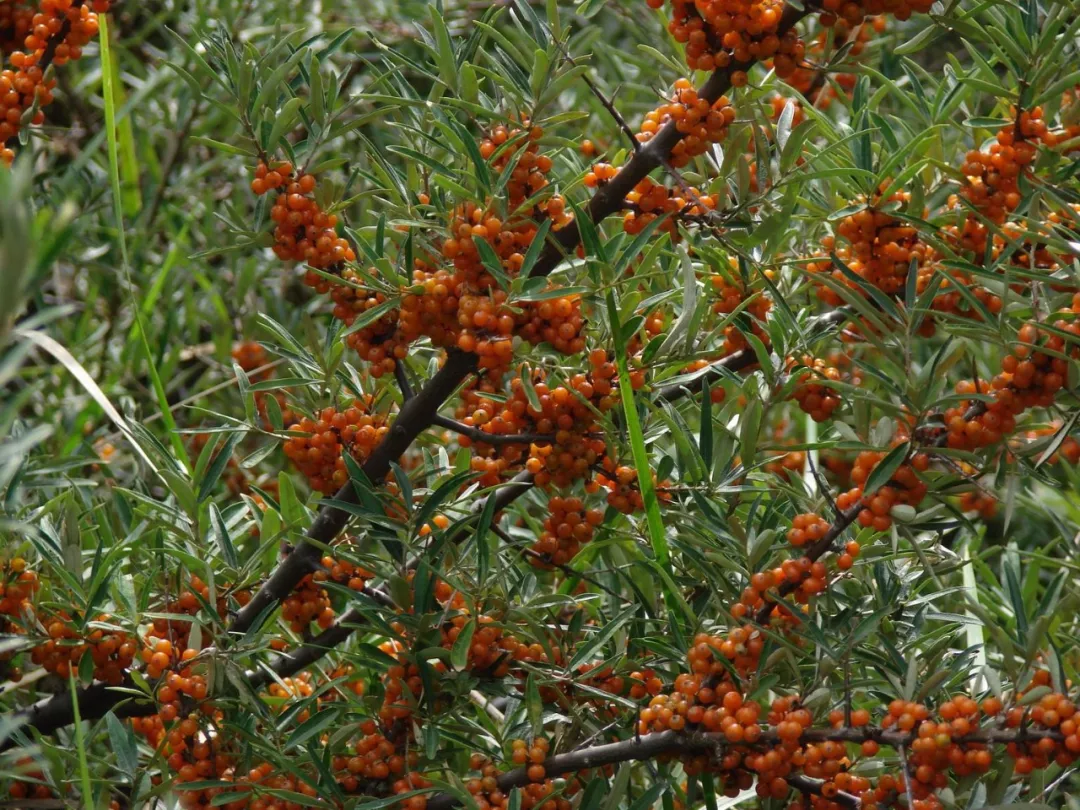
point(567, 418)
point(979, 503)
point(57, 33)
point(484, 787)
point(649, 201)
point(112, 650)
point(1031, 375)
point(993, 176)
point(624, 490)
point(17, 588)
point(318, 453)
point(733, 295)
point(699, 122)
point(374, 758)
point(303, 232)
point(568, 526)
point(877, 246)
point(16, 20)
point(454, 299)
point(814, 395)
point(904, 488)
point(719, 32)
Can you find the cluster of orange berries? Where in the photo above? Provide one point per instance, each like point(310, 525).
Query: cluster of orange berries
point(650, 200)
point(16, 20)
point(380, 343)
point(568, 526)
point(905, 488)
point(318, 454)
point(303, 232)
point(719, 32)
point(462, 305)
point(980, 503)
point(695, 703)
point(699, 122)
point(557, 321)
point(814, 395)
point(1031, 376)
point(734, 295)
point(1053, 712)
point(606, 679)
point(310, 602)
point(993, 176)
point(489, 647)
point(111, 650)
point(65, 27)
point(374, 758)
point(566, 413)
point(624, 489)
point(1069, 449)
point(17, 588)
point(877, 246)
point(786, 464)
point(196, 752)
point(519, 147)
point(159, 656)
point(486, 793)
point(772, 767)
point(291, 689)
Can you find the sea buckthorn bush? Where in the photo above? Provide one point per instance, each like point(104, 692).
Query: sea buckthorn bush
point(557, 405)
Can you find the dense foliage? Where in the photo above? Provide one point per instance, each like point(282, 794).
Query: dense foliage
point(572, 405)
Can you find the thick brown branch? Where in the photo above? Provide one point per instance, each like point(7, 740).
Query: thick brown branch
point(416, 416)
point(671, 742)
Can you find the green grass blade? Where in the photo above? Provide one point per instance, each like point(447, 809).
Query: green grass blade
point(80, 738)
point(653, 519)
point(107, 91)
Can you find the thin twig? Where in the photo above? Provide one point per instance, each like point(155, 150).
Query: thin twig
point(495, 439)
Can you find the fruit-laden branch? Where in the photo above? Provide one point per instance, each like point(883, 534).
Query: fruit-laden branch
point(598, 756)
point(417, 414)
point(54, 42)
point(609, 199)
point(737, 361)
point(674, 742)
point(822, 546)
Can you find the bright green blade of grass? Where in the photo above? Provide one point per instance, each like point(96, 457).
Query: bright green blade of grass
point(80, 741)
point(107, 90)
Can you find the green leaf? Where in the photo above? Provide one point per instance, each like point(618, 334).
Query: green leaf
point(459, 655)
point(284, 121)
point(319, 722)
point(444, 53)
point(885, 468)
point(587, 652)
point(492, 263)
point(122, 742)
point(217, 466)
point(273, 82)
